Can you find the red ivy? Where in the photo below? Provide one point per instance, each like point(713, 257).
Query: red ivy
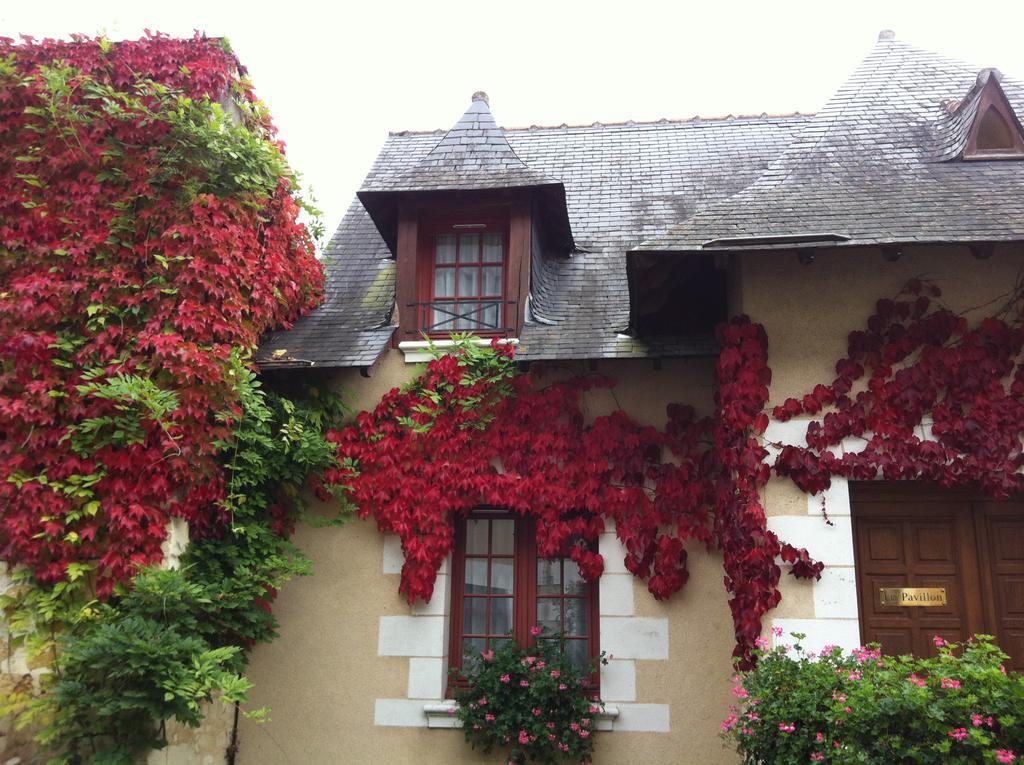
point(697, 479)
point(533, 452)
point(917, 358)
point(179, 285)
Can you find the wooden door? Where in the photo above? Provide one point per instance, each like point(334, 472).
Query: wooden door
point(909, 536)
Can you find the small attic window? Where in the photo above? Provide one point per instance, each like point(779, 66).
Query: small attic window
point(681, 296)
point(996, 132)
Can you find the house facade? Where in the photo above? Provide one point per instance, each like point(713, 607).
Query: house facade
point(617, 249)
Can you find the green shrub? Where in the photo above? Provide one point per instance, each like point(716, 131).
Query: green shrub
point(961, 706)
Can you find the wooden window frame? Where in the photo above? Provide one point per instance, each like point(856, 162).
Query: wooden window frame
point(993, 98)
point(481, 221)
point(524, 608)
point(419, 214)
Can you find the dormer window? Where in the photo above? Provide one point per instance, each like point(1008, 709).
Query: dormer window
point(996, 132)
point(465, 276)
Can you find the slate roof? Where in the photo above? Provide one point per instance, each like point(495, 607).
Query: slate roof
point(623, 183)
point(878, 165)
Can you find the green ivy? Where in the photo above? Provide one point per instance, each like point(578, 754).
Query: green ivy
point(175, 639)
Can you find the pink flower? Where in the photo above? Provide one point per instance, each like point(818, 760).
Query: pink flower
point(762, 643)
point(562, 686)
point(819, 737)
point(855, 675)
point(595, 710)
point(535, 630)
point(777, 631)
point(977, 721)
point(552, 737)
point(740, 692)
point(817, 756)
point(939, 641)
point(753, 716)
point(541, 665)
point(551, 725)
point(536, 711)
point(563, 747)
point(959, 734)
point(917, 681)
point(787, 727)
point(529, 660)
point(584, 733)
point(1005, 755)
point(729, 723)
point(837, 696)
point(487, 655)
point(524, 683)
point(948, 682)
point(489, 717)
point(505, 679)
point(524, 738)
point(747, 731)
point(847, 709)
point(556, 674)
point(574, 726)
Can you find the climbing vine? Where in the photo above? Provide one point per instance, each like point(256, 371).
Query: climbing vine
point(473, 431)
point(149, 235)
point(148, 231)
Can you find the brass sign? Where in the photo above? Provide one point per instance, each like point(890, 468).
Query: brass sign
point(913, 596)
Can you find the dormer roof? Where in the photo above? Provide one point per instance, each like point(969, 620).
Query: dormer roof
point(474, 155)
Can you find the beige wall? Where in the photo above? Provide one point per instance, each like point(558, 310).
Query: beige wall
point(321, 678)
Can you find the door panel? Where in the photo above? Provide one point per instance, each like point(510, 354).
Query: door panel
point(1003, 530)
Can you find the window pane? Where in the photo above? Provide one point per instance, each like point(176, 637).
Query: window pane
point(444, 248)
point(469, 315)
point(577, 652)
point(476, 576)
point(469, 282)
point(549, 577)
point(444, 282)
point(574, 583)
point(471, 649)
point(469, 248)
point(474, 616)
point(501, 576)
point(501, 616)
point(549, 614)
point(476, 536)
point(492, 280)
point(488, 316)
point(442, 317)
point(502, 536)
point(577, 616)
point(494, 248)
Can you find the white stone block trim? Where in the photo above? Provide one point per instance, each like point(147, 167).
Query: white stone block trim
point(835, 595)
point(418, 351)
point(613, 552)
point(635, 637)
point(618, 680)
point(427, 678)
point(399, 713)
point(441, 714)
point(646, 718)
point(832, 545)
point(835, 499)
point(844, 633)
point(412, 636)
point(616, 594)
point(394, 558)
point(174, 544)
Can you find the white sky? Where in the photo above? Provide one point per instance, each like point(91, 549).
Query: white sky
point(338, 76)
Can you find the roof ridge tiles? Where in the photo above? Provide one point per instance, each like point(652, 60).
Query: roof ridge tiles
point(695, 120)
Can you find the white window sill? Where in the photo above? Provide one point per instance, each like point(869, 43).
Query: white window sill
point(418, 351)
point(441, 714)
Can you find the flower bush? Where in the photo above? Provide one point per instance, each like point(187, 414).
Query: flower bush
point(530, 700)
point(960, 706)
